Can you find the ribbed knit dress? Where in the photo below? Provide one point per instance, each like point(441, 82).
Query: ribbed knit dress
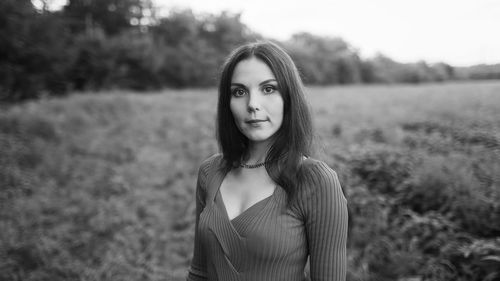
point(269, 241)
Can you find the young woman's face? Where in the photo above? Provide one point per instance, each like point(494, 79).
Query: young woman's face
point(256, 102)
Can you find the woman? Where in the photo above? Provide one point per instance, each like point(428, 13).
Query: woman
point(262, 206)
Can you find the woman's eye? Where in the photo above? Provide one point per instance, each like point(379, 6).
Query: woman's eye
point(269, 89)
point(238, 92)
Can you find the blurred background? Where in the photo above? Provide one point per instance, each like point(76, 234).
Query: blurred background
point(107, 108)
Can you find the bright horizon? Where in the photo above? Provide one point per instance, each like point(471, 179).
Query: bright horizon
point(460, 32)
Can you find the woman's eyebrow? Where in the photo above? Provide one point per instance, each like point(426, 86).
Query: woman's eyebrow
point(267, 81)
point(238, 84)
point(260, 84)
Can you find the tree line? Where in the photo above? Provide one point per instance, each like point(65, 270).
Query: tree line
point(91, 45)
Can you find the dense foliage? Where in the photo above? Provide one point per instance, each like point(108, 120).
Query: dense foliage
point(101, 187)
point(109, 44)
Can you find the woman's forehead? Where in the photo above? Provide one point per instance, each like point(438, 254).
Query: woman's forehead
point(251, 71)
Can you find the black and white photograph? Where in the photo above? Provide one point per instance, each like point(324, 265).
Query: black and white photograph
point(231, 140)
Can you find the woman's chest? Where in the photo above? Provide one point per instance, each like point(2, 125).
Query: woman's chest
point(266, 230)
point(240, 193)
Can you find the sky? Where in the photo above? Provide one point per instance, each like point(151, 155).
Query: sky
point(458, 32)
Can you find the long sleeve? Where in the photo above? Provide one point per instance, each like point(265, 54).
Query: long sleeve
point(325, 215)
point(198, 271)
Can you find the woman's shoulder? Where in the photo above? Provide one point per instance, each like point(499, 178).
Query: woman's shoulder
point(317, 176)
point(207, 169)
point(217, 157)
point(211, 163)
point(319, 186)
point(316, 167)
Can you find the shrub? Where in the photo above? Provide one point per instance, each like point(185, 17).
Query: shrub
point(448, 185)
point(381, 168)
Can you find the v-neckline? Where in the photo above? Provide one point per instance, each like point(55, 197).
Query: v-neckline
point(247, 210)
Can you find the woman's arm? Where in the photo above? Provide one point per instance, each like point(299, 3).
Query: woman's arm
point(197, 271)
point(326, 224)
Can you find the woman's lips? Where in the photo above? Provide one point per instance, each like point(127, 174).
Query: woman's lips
point(255, 121)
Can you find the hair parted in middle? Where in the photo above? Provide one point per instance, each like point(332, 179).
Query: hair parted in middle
point(294, 138)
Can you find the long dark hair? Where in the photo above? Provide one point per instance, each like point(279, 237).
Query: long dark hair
point(294, 138)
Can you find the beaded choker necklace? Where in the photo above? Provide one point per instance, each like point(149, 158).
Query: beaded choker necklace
point(252, 166)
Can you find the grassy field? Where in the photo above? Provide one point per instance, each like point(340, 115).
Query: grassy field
point(101, 187)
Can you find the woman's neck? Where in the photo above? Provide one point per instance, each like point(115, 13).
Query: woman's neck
point(257, 152)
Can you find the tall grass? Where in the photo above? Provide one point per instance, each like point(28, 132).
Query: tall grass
point(100, 187)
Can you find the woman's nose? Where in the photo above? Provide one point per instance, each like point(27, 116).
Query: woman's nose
point(253, 102)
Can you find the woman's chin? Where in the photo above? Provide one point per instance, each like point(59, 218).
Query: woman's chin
point(259, 137)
